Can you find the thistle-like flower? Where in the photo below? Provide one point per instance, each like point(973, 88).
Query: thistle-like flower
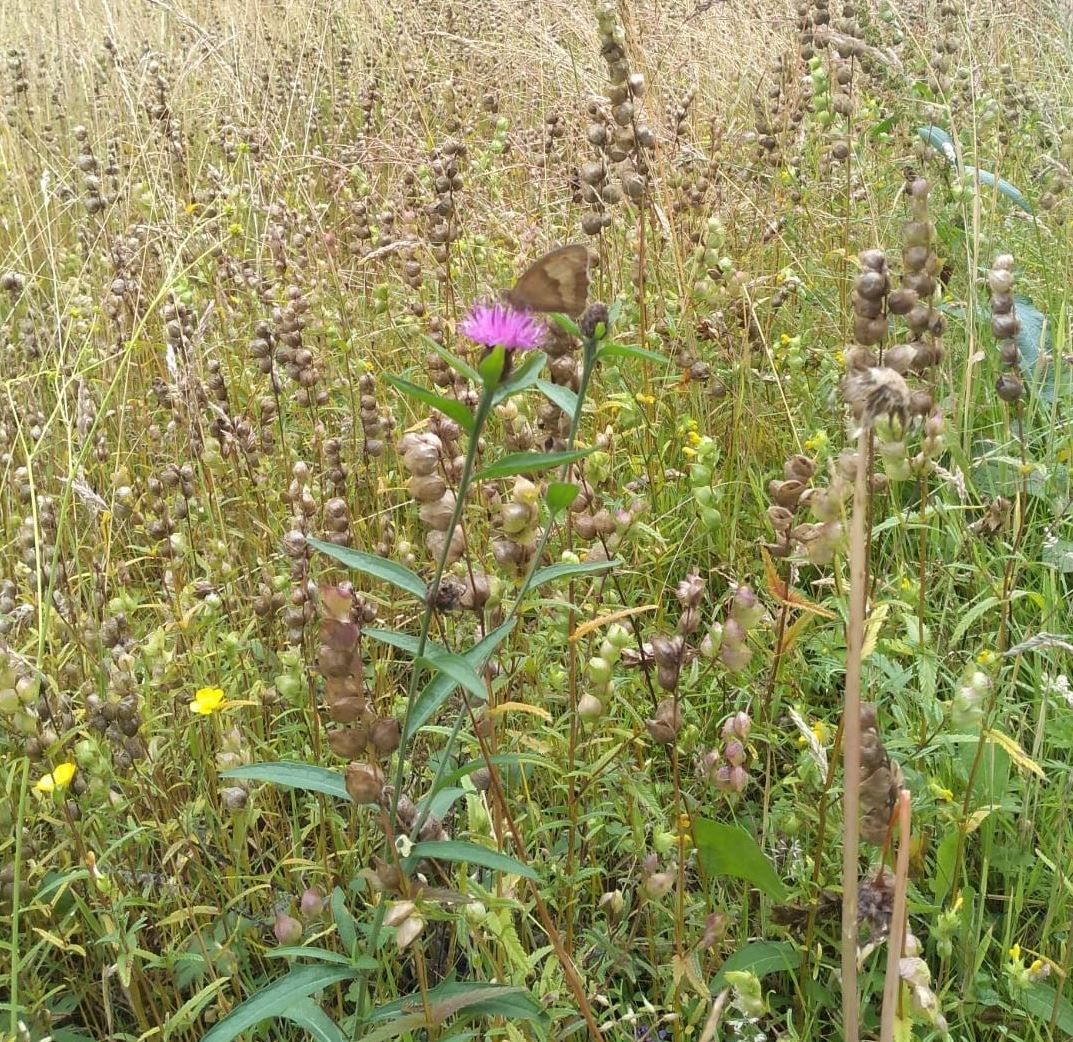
point(499, 324)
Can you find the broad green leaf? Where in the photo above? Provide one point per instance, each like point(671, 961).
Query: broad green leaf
point(344, 921)
point(459, 365)
point(1038, 999)
point(374, 565)
point(530, 463)
point(494, 1000)
point(440, 688)
point(568, 569)
point(628, 351)
point(940, 140)
point(560, 494)
point(985, 177)
point(1034, 340)
point(558, 395)
point(292, 775)
point(458, 669)
point(441, 801)
point(411, 1022)
point(728, 850)
point(407, 642)
point(448, 406)
point(761, 958)
point(522, 378)
point(943, 879)
point(566, 324)
point(298, 951)
point(277, 998)
point(308, 1015)
point(473, 854)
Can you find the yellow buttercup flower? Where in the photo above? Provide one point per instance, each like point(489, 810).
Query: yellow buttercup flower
point(207, 700)
point(60, 778)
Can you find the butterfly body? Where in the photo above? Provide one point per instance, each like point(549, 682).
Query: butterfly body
point(558, 281)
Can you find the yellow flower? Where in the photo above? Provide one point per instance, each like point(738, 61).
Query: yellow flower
point(207, 701)
point(60, 778)
point(817, 442)
point(645, 399)
point(986, 658)
point(1015, 953)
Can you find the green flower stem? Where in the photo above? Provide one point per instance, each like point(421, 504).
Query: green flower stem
point(588, 367)
point(484, 409)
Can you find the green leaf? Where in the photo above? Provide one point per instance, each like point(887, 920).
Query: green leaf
point(1038, 999)
point(374, 565)
point(298, 951)
point(1034, 340)
point(499, 760)
point(473, 854)
point(560, 494)
point(530, 463)
point(944, 866)
point(411, 1022)
point(985, 177)
point(523, 377)
point(403, 641)
point(558, 395)
point(473, 997)
point(308, 1015)
point(277, 999)
point(344, 921)
point(448, 406)
point(292, 775)
point(459, 365)
point(491, 366)
point(566, 324)
point(440, 688)
point(567, 569)
point(728, 850)
point(458, 669)
point(761, 958)
point(627, 351)
point(940, 140)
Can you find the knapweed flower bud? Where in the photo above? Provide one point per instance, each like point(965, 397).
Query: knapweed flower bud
point(592, 318)
point(287, 929)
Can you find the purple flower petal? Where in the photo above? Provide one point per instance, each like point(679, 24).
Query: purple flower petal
point(500, 324)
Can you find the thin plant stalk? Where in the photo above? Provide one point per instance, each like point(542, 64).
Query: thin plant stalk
point(851, 741)
point(896, 938)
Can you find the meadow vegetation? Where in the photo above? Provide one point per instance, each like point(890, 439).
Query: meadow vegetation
point(380, 661)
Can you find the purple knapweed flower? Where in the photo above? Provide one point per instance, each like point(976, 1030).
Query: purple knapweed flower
point(500, 324)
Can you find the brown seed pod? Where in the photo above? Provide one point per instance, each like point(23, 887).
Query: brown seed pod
point(881, 780)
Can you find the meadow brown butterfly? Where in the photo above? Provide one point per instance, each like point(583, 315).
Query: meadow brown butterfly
point(558, 281)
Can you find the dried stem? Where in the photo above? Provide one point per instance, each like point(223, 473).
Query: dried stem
point(851, 743)
point(896, 938)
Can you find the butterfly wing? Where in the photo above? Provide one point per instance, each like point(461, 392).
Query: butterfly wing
point(558, 281)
